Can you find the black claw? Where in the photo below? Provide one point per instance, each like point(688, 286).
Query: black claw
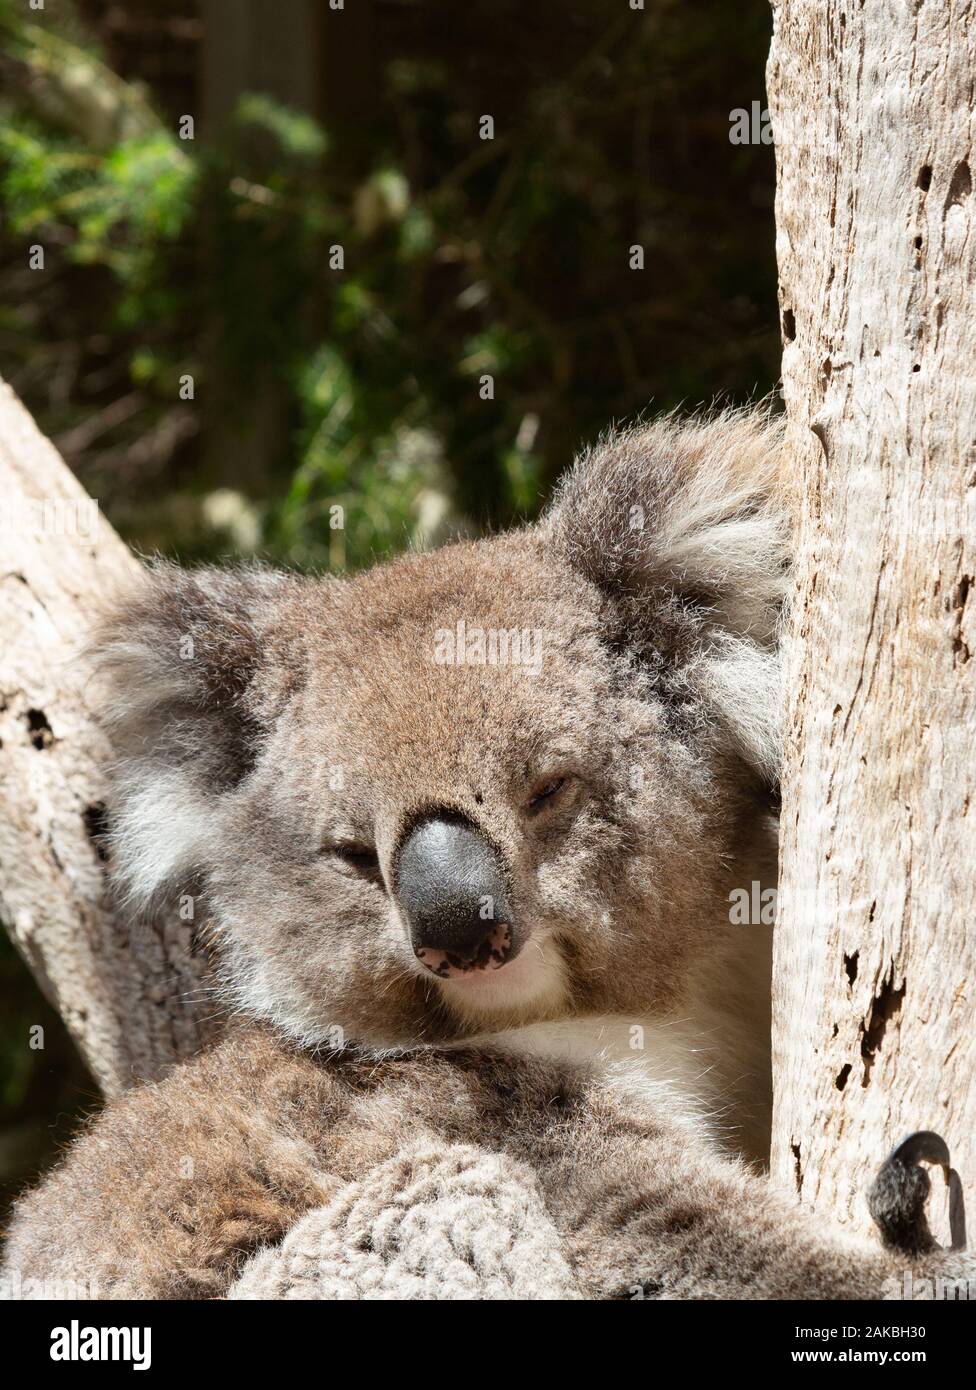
point(898, 1195)
point(957, 1212)
point(924, 1146)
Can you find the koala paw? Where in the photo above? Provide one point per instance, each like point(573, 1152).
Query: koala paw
point(900, 1191)
point(435, 1222)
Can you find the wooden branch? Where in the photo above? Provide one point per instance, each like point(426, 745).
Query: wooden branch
point(875, 971)
point(129, 993)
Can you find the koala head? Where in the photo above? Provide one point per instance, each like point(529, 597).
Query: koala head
point(513, 779)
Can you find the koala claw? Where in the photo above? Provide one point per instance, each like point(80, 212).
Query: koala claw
point(899, 1192)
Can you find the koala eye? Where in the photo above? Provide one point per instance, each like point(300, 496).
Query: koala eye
point(545, 794)
point(362, 859)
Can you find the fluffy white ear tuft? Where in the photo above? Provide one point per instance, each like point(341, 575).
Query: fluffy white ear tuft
point(743, 683)
point(188, 680)
point(686, 523)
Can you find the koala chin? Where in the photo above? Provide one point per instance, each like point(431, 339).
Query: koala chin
point(465, 830)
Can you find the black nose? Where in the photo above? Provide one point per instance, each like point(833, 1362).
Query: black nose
point(451, 887)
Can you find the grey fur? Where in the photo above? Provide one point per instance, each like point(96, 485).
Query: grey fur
point(656, 581)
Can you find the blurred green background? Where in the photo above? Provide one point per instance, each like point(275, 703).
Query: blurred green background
point(314, 385)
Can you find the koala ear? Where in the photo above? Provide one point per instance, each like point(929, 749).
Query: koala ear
point(188, 685)
point(686, 525)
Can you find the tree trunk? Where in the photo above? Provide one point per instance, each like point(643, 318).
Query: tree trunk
point(875, 969)
point(129, 993)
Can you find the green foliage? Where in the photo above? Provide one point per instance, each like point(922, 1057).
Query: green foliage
point(317, 386)
point(295, 137)
point(121, 209)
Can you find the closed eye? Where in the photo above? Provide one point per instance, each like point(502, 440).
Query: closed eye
point(544, 794)
point(362, 859)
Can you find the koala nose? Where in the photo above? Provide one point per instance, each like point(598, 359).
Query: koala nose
point(451, 887)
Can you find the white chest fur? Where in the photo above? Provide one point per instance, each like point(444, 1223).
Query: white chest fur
point(661, 1062)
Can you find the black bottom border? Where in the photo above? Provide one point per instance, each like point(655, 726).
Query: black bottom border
point(229, 1337)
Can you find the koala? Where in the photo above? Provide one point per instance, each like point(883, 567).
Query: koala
point(464, 829)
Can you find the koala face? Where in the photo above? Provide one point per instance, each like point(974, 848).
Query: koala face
point(425, 839)
point(497, 783)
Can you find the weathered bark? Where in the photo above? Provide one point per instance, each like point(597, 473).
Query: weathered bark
point(875, 972)
point(128, 992)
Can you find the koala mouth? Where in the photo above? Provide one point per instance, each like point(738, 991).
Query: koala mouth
point(494, 952)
